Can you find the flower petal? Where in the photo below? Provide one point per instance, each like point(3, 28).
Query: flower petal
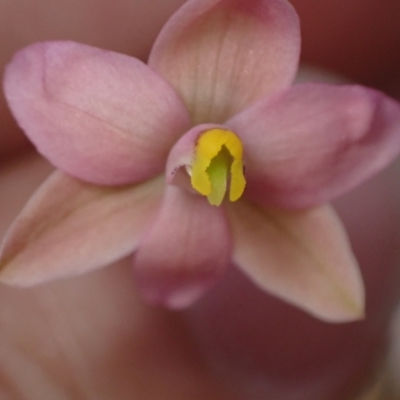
point(222, 55)
point(69, 227)
point(313, 142)
point(186, 250)
point(303, 257)
point(100, 116)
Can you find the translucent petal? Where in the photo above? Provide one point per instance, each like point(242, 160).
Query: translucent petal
point(222, 55)
point(69, 227)
point(185, 251)
point(302, 257)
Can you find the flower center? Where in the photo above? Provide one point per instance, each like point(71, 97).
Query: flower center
point(218, 166)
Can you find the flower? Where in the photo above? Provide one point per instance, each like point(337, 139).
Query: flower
point(221, 71)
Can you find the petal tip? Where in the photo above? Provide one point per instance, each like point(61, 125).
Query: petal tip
point(320, 276)
point(348, 306)
point(173, 299)
point(12, 274)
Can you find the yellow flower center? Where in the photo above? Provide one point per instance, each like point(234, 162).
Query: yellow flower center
point(218, 165)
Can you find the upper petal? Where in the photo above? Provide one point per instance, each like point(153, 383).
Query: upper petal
point(185, 250)
point(101, 116)
point(302, 257)
point(311, 143)
point(69, 227)
point(222, 55)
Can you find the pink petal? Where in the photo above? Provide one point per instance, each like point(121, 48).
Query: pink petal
point(187, 249)
point(222, 55)
point(100, 116)
point(303, 257)
point(69, 227)
point(314, 142)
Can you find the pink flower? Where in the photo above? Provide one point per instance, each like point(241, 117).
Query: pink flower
point(220, 70)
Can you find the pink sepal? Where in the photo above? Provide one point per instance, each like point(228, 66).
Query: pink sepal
point(313, 142)
point(222, 55)
point(100, 116)
point(185, 251)
point(303, 257)
point(69, 227)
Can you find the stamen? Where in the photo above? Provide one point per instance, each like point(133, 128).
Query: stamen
point(218, 165)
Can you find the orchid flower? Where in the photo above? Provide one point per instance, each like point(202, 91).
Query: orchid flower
point(206, 157)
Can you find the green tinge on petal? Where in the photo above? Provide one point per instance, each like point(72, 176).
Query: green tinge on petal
point(217, 163)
